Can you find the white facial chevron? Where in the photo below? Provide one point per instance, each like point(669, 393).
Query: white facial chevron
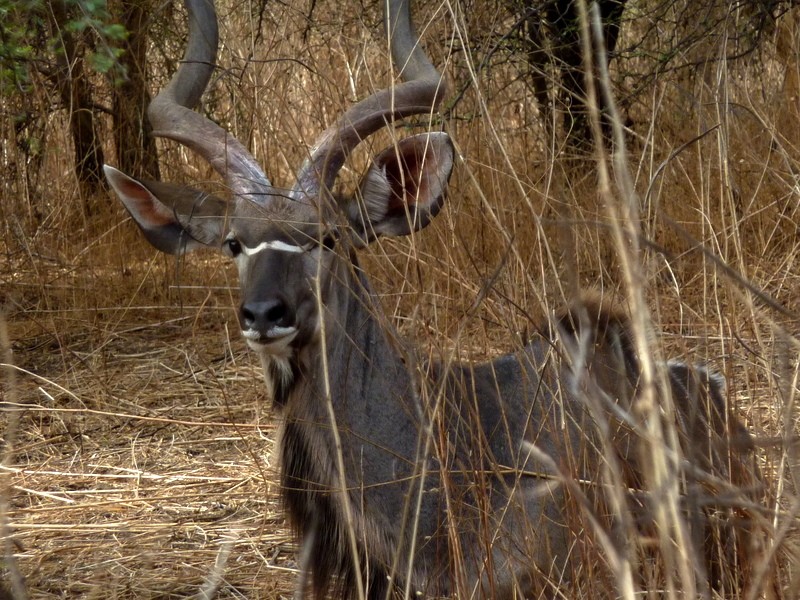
point(273, 245)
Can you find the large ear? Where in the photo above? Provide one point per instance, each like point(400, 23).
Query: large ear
point(174, 218)
point(404, 188)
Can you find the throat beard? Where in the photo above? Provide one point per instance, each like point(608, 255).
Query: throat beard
point(281, 374)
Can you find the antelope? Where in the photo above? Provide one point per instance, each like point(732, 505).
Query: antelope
point(399, 475)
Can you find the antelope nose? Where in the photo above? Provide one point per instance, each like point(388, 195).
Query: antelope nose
point(264, 316)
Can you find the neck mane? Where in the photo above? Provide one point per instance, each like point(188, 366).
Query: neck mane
point(353, 379)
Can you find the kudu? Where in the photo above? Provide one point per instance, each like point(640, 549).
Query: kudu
point(400, 475)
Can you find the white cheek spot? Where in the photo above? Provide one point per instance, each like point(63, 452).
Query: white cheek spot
point(273, 245)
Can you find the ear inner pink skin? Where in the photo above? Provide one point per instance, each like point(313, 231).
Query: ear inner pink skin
point(147, 209)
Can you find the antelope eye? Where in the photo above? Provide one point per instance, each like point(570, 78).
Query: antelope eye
point(233, 246)
point(329, 241)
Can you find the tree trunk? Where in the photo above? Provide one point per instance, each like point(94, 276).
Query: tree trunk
point(136, 148)
point(554, 34)
point(75, 92)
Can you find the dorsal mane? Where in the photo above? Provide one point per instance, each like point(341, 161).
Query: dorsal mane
point(607, 322)
point(601, 332)
point(604, 317)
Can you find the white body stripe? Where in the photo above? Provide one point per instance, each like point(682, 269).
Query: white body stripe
point(273, 245)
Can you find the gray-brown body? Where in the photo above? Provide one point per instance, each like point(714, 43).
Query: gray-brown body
point(403, 475)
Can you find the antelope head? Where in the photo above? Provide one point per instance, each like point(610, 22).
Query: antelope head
point(281, 239)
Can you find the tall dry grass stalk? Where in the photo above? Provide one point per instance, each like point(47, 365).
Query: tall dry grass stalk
point(142, 449)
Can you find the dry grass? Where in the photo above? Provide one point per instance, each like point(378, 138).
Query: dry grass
point(137, 429)
point(143, 444)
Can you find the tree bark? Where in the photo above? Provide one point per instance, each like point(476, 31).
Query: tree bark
point(554, 35)
point(76, 97)
point(136, 147)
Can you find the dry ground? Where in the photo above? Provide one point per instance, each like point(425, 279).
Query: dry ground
point(142, 448)
point(137, 431)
